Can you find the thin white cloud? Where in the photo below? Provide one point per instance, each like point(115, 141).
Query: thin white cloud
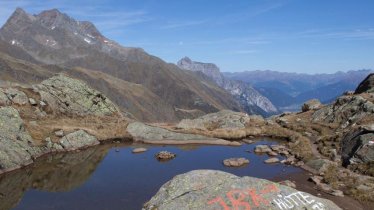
point(243, 52)
point(183, 24)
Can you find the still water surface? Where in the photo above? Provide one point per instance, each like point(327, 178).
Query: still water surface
point(111, 177)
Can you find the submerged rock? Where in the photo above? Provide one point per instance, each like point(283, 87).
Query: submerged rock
point(235, 162)
point(272, 160)
point(209, 189)
point(139, 150)
point(71, 96)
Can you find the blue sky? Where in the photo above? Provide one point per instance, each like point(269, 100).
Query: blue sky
point(311, 36)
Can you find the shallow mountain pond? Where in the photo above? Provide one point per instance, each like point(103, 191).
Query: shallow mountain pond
point(112, 177)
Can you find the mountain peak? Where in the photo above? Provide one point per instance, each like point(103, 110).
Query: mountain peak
point(50, 13)
point(19, 16)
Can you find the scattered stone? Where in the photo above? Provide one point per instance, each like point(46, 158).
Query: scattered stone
point(288, 183)
point(272, 160)
point(334, 155)
point(262, 149)
point(337, 193)
point(324, 187)
point(165, 155)
point(17, 96)
point(299, 164)
point(248, 141)
point(235, 162)
point(308, 134)
point(289, 161)
point(272, 153)
point(32, 102)
point(284, 153)
point(209, 189)
point(42, 104)
point(59, 133)
point(349, 93)
point(39, 113)
point(278, 148)
point(316, 179)
point(139, 150)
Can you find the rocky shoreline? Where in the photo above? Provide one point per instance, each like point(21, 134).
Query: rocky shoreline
point(334, 142)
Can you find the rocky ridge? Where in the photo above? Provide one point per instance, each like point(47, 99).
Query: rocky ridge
point(250, 99)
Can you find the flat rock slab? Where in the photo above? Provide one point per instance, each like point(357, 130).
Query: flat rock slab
point(272, 160)
point(155, 135)
point(209, 189)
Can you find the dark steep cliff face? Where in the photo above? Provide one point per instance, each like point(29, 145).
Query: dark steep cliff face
point(156, 91)
point(249, 98)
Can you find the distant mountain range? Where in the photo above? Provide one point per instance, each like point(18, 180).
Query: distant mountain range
point(288, 90)
point(34, 47)
point(248, 97)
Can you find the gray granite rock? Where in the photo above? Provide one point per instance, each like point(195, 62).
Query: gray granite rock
point(16, 147)
point(152, 134)
point(222, 119)
point(312, 104)
point(71, 96)
point(78, 139)
point(209, 189)
point(16, 96)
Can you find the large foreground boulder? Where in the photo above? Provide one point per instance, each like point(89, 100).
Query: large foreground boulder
point(367, 85)
point(16, 147)
point(358, 146)
point(209, 189)
point(156, 135)
point(71, 96)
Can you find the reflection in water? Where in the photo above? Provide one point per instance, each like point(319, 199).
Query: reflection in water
point(113, 178)
point(54, 173)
